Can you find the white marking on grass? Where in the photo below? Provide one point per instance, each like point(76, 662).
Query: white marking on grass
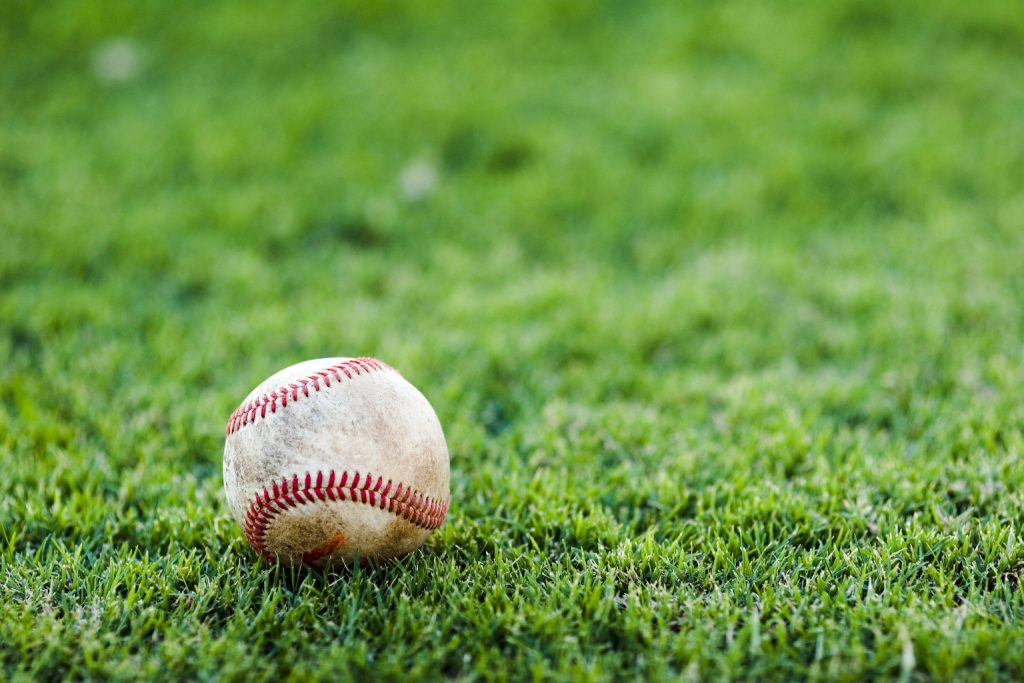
point(117, 60)
point(418, 180)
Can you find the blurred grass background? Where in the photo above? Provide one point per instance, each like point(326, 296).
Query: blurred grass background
point(720, 305)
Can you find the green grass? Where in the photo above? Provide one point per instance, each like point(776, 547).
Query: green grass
point(721, 306)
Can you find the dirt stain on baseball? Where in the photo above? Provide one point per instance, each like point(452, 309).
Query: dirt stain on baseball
point(324, 549)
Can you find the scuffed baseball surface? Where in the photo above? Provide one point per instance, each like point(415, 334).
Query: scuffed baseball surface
point(334, 459)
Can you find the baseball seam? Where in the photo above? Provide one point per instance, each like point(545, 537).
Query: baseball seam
point(250, 411)
point(401, 500)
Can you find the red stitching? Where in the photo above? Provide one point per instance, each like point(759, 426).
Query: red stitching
point(247, 413)
point(423, 511)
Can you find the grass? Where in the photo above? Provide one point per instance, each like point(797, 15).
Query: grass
point(721, 306)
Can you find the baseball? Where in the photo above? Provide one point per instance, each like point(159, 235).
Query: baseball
point(336, 459)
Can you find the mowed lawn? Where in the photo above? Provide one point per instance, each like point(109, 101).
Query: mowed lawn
point(721, 306)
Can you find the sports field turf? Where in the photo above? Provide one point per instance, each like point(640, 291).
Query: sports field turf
point(721, 306)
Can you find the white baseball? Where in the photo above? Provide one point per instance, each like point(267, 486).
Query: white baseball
point(336, 459)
